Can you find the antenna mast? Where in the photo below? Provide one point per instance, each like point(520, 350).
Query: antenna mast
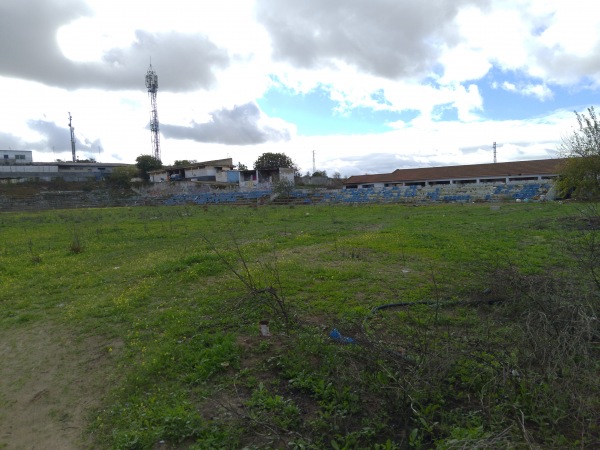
point(152, 85)
point(72, 138)
point(314, 166)
point(494, 152)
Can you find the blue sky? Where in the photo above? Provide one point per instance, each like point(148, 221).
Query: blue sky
point(369, 87)
point(315, 113)
point(502, 104)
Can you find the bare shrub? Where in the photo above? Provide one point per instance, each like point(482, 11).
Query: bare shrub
point(262, 282)
point(586, 247)
point(523, 358)
point(76, 245)
point(554, 332)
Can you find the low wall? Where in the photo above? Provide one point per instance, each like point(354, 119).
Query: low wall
point(71, 199)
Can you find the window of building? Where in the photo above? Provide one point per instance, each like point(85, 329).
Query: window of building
point(19, 156)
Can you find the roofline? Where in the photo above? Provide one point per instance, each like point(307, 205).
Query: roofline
point(228, 162)
point(403, 175)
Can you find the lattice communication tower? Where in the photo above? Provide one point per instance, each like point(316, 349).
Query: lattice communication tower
point(152, 85)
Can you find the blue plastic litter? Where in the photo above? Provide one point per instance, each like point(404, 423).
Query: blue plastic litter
point(337, 336)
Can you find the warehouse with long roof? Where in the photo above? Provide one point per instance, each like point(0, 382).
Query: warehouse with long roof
point(508, 172)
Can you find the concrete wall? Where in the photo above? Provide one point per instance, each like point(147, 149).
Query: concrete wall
point(159, 177)
point(200, 172)
point(222, 176)
point(27, 169)
point(286, 175)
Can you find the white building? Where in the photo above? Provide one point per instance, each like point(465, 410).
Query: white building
point(11, 157)
point(219, 171)
point(18, 166)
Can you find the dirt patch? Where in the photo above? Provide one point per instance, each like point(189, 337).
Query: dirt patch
point(50, 379)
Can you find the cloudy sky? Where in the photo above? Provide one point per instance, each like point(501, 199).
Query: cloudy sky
point(364, 86)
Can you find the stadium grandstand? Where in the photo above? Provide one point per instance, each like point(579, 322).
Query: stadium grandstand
point(542, 170)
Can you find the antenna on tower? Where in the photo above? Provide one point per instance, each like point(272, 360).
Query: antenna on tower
point(72, 138)
point(314, 166)
point(152, 85)
point(495, 153)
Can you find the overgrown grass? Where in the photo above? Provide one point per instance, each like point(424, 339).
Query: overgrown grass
point(476, 362)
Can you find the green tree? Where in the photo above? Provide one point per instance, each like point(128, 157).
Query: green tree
point(184, 162)
point(284, 188)
point(147, 163)
point(274, 161)
point(580, 174)
point(121, 177)
point(242, 166)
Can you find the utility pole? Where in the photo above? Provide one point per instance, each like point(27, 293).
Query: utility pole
point(72, 138)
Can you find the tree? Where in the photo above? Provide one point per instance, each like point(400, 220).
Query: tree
point(121, 177)
point(580, 174)
point(241, 166)
point(147, 163)
point(184, 162)
point(274, 161)
point(284, 188)
point(320, 173)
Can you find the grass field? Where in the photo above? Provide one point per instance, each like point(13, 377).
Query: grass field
point(138, 328)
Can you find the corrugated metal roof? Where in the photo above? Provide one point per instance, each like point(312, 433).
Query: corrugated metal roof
point(507, 169)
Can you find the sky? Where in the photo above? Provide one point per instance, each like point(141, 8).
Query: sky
point(346, 86)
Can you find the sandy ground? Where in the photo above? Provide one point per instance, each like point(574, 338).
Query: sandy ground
point(49, 382)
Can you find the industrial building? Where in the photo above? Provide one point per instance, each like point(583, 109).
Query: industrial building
point(541, 170)
point(18, 166)
point(221, 172)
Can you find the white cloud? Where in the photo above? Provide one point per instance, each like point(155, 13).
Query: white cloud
point(89, 57)
point(540, 91)
point(508, 86)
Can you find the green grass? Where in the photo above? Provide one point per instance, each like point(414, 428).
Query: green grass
point(193, 372)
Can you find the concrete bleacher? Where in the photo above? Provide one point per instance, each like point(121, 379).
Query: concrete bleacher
point(218, 197)
point(397, 194)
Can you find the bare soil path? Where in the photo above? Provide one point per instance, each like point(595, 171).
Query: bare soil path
point(50, 380)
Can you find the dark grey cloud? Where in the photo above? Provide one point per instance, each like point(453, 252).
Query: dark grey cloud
point(389, 38)
point(238, 126)
point(29, 49)
point(58, 139)
point(55, 138)
point(182, 62)
point(9, 141)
